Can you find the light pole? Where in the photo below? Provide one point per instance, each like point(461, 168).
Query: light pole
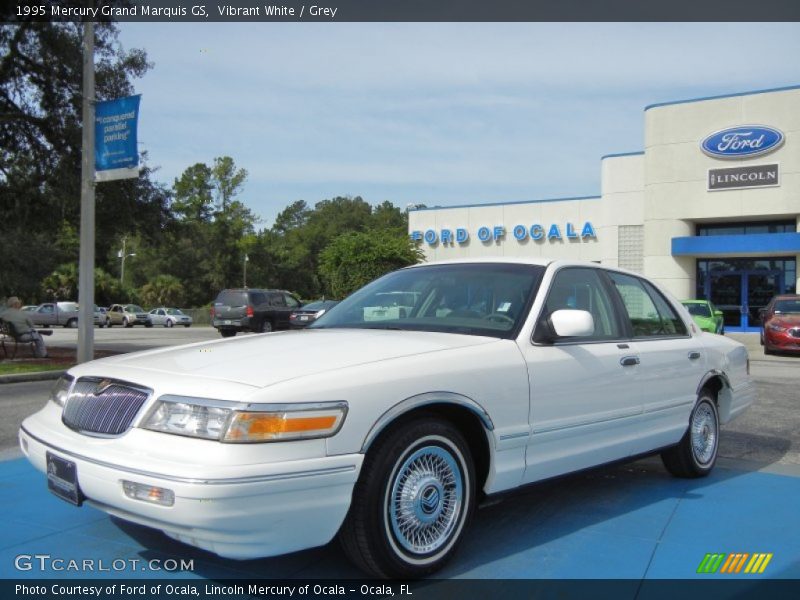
point(246, 260)
point(122, 256)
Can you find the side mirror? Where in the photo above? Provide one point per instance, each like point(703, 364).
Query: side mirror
point(718, 313)
point(572, 323)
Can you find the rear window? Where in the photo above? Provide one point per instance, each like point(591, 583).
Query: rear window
point(231, 298)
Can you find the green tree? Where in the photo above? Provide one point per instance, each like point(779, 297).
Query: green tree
point(40, 146)
point(164, 290)
point(354, 259)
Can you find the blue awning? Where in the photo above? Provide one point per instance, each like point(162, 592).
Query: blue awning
point(755, 244)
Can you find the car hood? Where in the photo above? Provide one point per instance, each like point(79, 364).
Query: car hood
point(789, 320)
point(263, 360)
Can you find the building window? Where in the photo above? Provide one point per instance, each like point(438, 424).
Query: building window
point(747, 228)
point(630, 248)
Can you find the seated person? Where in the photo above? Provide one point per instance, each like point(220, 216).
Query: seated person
point(22, 327)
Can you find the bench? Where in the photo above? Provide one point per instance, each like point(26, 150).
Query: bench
point(9, 339)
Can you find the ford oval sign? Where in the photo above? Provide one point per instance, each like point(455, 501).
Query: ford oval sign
point(745, 141)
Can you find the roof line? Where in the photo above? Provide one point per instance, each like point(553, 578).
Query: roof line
point(737, 94)
point(505, 203)
point(640, 152)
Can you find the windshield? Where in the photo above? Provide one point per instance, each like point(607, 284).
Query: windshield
point(474, 299)
point(174, 311)
point(698, 310)
point(787, 306)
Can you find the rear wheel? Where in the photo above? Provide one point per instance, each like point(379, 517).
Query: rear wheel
point(412, 502)
point(227, 332)
point(696, 453)
point(266, 326)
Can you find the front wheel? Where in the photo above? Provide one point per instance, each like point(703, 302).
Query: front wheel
point(126, 323)
point(169, 323)
point(71, 324)
point(412, 502)
point(696, 453)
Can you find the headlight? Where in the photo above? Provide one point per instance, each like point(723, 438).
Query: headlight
point(194, 417)
point(60, 389)
point(319, 313)
point(777, 328)
point(242, 423)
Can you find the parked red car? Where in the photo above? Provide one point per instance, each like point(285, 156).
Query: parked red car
point(780, 329)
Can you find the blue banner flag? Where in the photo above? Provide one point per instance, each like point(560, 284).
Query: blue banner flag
point(115, 153)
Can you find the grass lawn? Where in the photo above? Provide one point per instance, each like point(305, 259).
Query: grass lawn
point(13, 368)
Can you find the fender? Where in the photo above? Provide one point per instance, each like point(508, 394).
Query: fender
point(425, 399)
point(710, 375)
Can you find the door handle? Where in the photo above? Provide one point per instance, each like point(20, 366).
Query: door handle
point(694, 355)
point(629, 361)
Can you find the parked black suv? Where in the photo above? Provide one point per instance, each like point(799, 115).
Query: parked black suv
point(252, 310)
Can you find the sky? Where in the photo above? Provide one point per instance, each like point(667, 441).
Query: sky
point(432, 113)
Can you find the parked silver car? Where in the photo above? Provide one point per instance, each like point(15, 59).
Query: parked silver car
point(169, 317)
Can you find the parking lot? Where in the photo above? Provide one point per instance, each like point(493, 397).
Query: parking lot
point(627, 521)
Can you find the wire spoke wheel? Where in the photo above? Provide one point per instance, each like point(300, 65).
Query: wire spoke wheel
point(425, 500)
point(703, 432)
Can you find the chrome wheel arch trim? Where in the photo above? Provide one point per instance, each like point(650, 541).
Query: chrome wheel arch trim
point(422, 400)
point(709, 376)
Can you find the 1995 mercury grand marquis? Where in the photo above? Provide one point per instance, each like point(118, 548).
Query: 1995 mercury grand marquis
point(388, 429)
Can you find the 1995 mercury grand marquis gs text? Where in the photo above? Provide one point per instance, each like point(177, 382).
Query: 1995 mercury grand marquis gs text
point(386, 427)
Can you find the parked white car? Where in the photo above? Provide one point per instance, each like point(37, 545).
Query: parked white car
point(503, 373)
point(169, 317)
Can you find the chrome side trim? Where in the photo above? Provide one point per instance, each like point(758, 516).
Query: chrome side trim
point(425, 399)
point(670, 406)
point(713, 373)
point(584, 423)
point(514, 436)
point(193, 480)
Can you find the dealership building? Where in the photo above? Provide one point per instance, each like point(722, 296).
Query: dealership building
point(709, 209)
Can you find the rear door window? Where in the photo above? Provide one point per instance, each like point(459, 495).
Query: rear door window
point(649, 313)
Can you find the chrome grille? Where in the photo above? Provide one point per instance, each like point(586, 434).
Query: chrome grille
point(102, 406)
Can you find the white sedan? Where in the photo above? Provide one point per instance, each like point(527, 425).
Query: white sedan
point(169, 317)
point(389, 432)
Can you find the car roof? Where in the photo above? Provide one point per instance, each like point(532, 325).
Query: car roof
point(695, 301)
point(513, 260)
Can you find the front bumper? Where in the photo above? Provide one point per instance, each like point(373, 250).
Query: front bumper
point(237, 511)
point(781, 341)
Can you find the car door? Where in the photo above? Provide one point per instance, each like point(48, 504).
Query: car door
point(45, 315)
point(672, 361)
point(585, 392)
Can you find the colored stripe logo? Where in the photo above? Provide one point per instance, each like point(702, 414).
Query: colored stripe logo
point(736, 562)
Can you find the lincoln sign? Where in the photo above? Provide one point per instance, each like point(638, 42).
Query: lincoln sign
point(743, 177)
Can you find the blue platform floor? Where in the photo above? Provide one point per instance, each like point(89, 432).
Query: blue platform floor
point(631, 521)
